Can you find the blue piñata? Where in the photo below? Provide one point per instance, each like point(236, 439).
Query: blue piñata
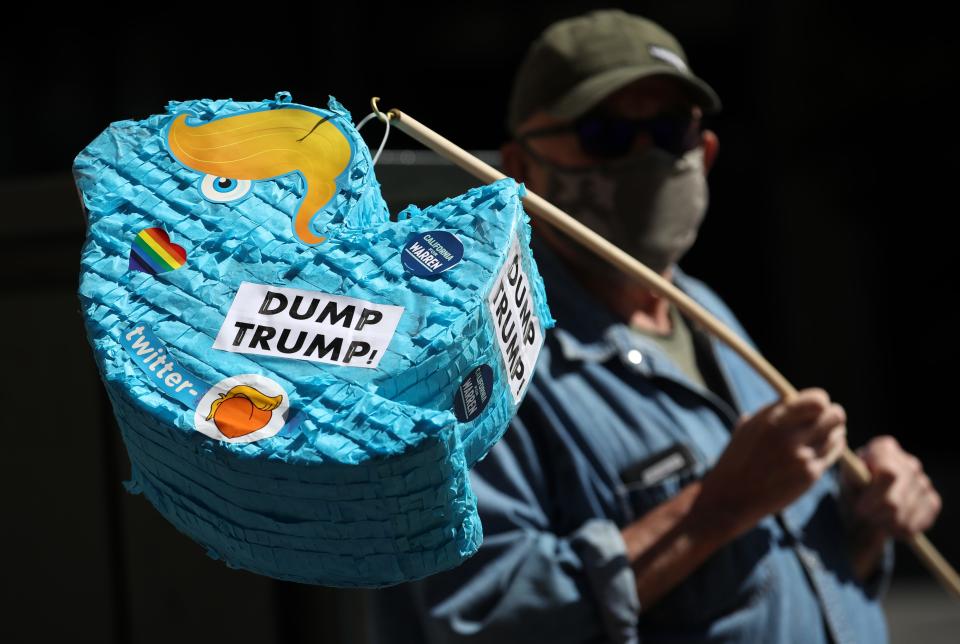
point(301, 383)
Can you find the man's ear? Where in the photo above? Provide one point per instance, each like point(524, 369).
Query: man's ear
point(513, 160)
point(711, 147)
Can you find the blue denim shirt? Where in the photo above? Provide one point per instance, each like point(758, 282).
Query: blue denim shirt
point(551, 497)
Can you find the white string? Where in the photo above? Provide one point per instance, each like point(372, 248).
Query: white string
point(386, 133)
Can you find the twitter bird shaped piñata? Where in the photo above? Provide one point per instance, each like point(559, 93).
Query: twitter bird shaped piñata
point(301, 383)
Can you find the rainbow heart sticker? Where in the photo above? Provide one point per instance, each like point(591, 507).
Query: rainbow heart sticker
point(152, 252)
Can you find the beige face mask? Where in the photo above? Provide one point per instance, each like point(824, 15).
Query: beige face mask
point(650, 204)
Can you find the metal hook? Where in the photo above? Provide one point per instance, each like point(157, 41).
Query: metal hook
point(386, 121)
point(376, 110)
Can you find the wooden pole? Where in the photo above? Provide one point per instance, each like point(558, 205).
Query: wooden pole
point(546, 211)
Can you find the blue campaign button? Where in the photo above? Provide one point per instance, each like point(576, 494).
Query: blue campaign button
point(473, 394)
point(431, 253)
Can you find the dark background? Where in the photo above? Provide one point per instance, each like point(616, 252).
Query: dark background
point(829, 233)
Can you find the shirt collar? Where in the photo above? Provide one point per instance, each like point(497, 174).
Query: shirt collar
point(586, 330)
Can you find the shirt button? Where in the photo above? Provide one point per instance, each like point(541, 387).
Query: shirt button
point(634, 356)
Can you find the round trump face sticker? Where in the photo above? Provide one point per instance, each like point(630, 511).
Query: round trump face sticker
point(242, 409)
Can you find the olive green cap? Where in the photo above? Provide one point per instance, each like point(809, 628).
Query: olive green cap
point(579, 61)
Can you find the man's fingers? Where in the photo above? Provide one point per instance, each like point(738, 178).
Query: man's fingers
point(802, 408)
point(933, 503)
point(882, 449)
point(914, 513)
point(923, 505)
point(818, 431)
point(893, 501)
point(899, 499)
point(907, 507)
point(873, 495)
point(834, 445)
point(820, 456)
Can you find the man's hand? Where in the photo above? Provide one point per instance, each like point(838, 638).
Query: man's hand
point(773, 457)
point(898, 501)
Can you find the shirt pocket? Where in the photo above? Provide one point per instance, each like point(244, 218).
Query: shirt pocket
point(736, 577)
point(652, 480)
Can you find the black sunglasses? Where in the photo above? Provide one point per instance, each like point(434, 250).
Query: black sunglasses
point(608, 137)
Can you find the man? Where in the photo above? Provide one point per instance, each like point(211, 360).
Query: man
point(652, 487)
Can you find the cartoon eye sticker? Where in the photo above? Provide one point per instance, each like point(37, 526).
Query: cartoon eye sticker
point(223, 189)
point(242, 409)
point(234, 151)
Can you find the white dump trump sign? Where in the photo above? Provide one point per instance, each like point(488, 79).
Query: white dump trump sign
point(517, 329)
point(307, 325)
